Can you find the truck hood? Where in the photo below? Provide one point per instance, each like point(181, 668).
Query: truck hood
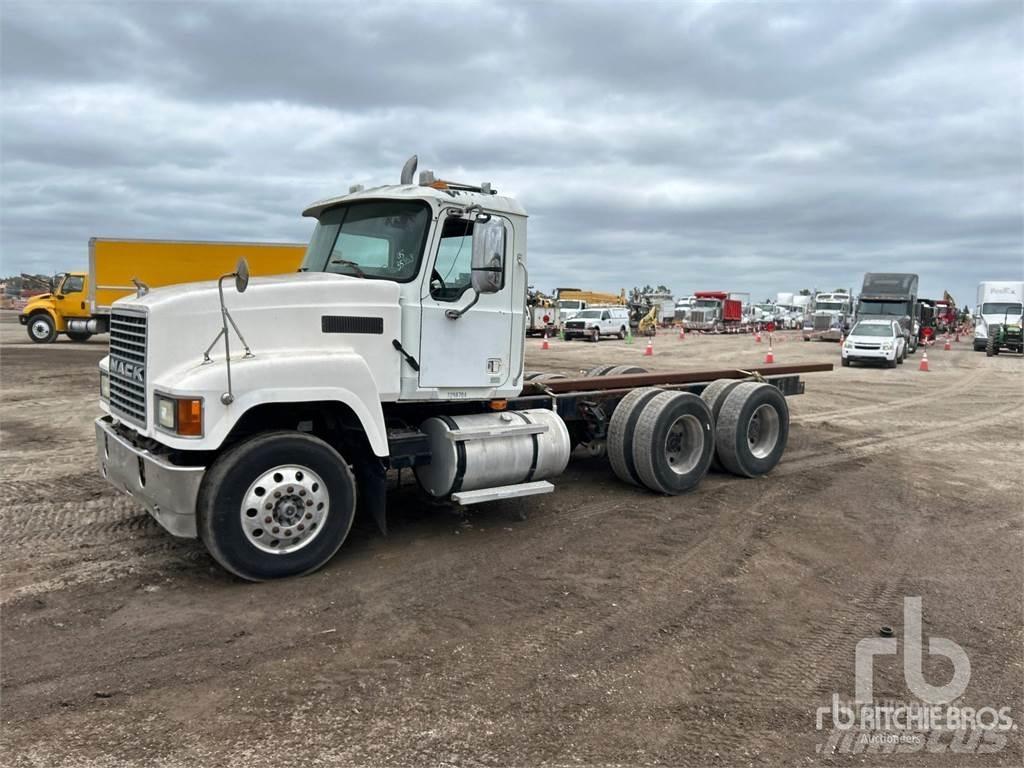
point(284, 314)
point(997, 319)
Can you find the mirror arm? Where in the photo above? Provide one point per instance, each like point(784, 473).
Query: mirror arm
point(455, 314)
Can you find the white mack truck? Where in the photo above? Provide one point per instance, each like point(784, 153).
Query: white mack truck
point(255, 418)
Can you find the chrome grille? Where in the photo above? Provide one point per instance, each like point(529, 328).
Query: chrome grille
point(822, 322)
point(128, 367)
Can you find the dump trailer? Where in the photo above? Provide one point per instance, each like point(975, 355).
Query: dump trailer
point(79, 304)
point(254, 413)
point(715, 312)
point(892, 296)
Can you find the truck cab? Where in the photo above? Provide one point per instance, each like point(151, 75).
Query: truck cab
point(999, 303)
point(892, 296)
point(50, 314)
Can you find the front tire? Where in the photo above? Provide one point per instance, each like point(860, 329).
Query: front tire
point(278, 504)
point(41, 329)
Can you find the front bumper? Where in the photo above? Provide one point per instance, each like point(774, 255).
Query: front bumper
point(169, 492)
point(869, 354)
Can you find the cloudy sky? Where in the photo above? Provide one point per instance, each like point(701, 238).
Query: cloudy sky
point(760, 147)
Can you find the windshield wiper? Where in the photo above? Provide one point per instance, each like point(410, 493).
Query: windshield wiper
point(348, 263)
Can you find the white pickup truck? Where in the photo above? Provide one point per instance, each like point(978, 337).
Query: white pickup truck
point(257, 418)
point(596, 322)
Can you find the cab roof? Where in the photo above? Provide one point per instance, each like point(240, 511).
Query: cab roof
point(439, 194)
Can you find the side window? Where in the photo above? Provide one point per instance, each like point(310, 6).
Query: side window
point(452, 273)
point(73, 284)
point(606, 315)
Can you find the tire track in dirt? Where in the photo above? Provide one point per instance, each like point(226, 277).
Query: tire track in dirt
point(922, 399)
point(869, 445)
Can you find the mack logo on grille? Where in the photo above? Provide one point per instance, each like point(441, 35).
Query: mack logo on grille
point(131, 371)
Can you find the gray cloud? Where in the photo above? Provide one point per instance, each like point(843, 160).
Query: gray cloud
point(757, 147)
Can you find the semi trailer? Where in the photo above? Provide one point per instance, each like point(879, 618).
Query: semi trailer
point(79, 304)
point(257, 413)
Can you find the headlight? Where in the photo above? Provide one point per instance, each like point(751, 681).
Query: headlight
point(848, 344)
point(182, 416)
point(104, 385)
point(887, 345)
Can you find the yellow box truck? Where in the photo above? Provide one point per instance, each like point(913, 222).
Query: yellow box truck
point(79, 304)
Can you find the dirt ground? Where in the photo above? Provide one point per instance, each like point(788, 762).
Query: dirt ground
point(610, 627)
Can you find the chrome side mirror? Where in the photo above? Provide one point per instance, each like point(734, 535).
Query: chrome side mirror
point(488, 263)
point(242, 275)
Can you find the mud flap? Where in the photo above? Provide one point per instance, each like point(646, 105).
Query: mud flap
point(371, 477)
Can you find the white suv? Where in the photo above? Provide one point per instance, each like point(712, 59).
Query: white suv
point(880, 340)
point(597, 322)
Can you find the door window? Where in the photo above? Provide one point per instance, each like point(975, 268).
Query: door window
point(452, 274)
point(73, 284)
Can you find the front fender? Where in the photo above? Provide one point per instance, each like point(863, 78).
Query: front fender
point(298, 377)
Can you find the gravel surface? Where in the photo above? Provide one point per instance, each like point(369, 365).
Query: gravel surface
point(610, 626)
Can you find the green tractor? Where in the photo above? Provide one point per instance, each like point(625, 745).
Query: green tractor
point(1008, 335)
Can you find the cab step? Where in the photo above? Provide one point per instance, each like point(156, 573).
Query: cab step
point(465, 498)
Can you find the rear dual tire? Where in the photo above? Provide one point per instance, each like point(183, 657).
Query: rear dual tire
point(752, 429)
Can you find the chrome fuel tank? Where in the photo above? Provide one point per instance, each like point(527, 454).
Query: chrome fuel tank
point(486, 450)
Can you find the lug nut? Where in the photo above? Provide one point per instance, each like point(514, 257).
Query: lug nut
point(275, 529)
point(302, 493)
point(290, 489)
point(309, 515)
point(309, 502)
point(268, 519)
point(277, 494)
point(269, 506)
point(287, 531)
point(301, 527)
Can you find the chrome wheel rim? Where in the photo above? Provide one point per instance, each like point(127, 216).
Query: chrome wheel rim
point(284, 509)
point(763, 431)
point(40, 329)
point(684, 444)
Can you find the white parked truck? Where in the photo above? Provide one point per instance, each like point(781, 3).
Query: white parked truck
point(830, 316)
point(258, 414)
point(1000, 302)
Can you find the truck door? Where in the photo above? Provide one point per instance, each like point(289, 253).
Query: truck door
point(474, 350)
point(71, 297)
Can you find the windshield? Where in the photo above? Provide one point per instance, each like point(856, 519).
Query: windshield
point(589, 313)
point(829, 306)
point(706, 303)
point(891, 308)
point(1001, 308)
point(377, 239)
point(864, 329)
point(566, 304)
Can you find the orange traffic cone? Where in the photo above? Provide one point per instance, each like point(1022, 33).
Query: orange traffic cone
point(649, 351)
point(924, 362)
point(947, 346)
point(770, 357)
point(757, 337)
point(545, 345)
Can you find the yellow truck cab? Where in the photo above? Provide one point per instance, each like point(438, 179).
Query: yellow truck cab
point(48, 314)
